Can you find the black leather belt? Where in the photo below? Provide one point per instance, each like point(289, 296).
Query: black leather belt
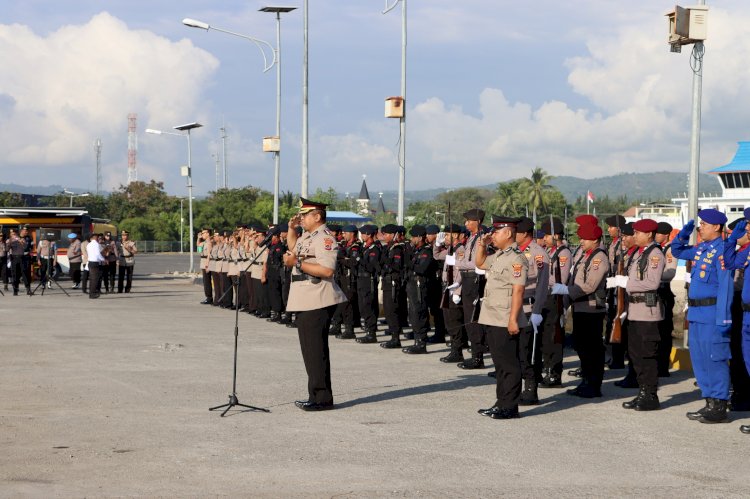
point(204, 257)
point(746, 307)
point(703, 302)
point(305, 277)
point(639, 298)
point(467, 272)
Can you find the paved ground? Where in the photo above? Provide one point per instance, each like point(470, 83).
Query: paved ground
point(110, 398)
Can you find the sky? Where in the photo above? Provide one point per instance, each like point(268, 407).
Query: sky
point(494, 89)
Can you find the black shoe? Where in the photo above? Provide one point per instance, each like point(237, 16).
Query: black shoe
point(454, 356)
point(631, 404)
point(505, 414)
point(417, 348)
point(614, 366)
point(207, 301)
point(94, 296)
point(392, 343)
point(346, 335)
point(472, 363)
point(492, 374)
point(274, 317)
point(28, 291)
point(576, 373)
point(696, 415)
point(488, 411)
point(436, 339)
point(308, 406)
point(627, 382)
point(745, 428)
point(292, 324)
point(585, 392)
point(529, 395)
point(716, 413)
point(551, 381)
point(264, 315)
point(285, 318)
point(370, 337)
point(649, 402)
point(335, 329)
point(409, 336)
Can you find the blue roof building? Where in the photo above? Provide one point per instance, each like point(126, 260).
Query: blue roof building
point(736, 174)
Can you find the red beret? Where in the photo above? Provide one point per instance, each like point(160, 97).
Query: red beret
point(587, 219)
point(645, 225)
point(589, 231)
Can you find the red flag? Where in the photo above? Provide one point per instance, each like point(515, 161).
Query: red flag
point(589, 196)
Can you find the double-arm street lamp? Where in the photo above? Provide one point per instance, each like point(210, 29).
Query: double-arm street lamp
point(74, 195)
point(186, 171)
point(275, 61)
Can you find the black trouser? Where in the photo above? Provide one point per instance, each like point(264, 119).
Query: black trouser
point(312, 328)
point(261, 297)
point(504, 351)
point(391, 300)
point(434, 295)
point(248, 283)
point(531, 369)
point(85, 281)
point(469, 294)
point(75, 272)
point(587, 334)
point(419, 318)
point(216, 280)
point(243, 297)
point(17, 271)
point(125, 271)
point(618, 349)
point(347, 312)
point(273, 286)
point(207, 287)
point(367, 294)
point(226, 290)
point(552, 353)
point(285, 285)
point(643, 349)
point(46, 269)
point(4, 269)
point(454, 322)
point(737, 370)
point(665, 330)
point(94, 279)
point(109, 270)
point(26, 267)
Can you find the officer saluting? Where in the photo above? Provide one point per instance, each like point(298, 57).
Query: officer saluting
point(709, 312)
point(313, 295)
point(502, 315)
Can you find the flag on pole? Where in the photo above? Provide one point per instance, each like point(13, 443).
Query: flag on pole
point(589, 197)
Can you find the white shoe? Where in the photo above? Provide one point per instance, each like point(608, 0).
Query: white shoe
point(49, 284)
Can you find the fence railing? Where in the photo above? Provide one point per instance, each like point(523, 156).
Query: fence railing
point(162, 246)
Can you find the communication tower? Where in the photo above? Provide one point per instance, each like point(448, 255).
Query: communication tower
point(132, 148)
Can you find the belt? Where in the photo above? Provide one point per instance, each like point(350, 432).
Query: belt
point(639, 298)
point(204, 257)
point(466, 272)
point(305, 277)
point(530, 300)
point(704, 302)
point(746, 307)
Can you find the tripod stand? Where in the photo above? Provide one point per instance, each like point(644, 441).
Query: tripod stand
point(233, 401)
point(47, 276)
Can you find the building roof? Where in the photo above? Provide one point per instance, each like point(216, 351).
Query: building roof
point(740, 162)
point(363, 193)
point(381, 206)
point(345, 216)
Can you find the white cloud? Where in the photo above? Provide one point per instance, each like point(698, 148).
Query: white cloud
point(80, 82)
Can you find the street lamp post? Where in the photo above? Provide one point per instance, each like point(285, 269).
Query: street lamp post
point(74, 195)
point(182, 222)
point(186, 172)
point(275, 61)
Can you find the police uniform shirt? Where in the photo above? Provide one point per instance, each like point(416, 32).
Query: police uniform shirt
point(15, 246)
point(670, 265)
point(234, 264)
point(466, 259)
point(74, 251)
point(613, 252)
point(504, 269)
point(586, 280)
point(46, 249)
point(537, 281)
point(206, 254)
point(318, 247)
point(370, 262)
point(213, 264)
point(126, 251)
point(646, 281)
point(559, 256)
point(256, 269)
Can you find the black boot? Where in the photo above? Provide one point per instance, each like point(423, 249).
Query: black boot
point(551, 380)
point(629, 381)
point(454, 356)
point(274, 317)
point(631, 404)
point(716, 413)
point(286, 318)
point(475, 362)
point(348, 334)
point(649, 401)
point(436, 338)
point(369, 337)
point(207, 301)
point(335, 329)
point(409, 336)
point(419, 346)
point(745, 428)
point(394, 342)
point(529, 395)
point(696, 415)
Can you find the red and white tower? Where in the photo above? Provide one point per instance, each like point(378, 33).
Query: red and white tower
point(132, 148)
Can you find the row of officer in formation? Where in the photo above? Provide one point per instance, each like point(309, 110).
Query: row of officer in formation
point(506, 290)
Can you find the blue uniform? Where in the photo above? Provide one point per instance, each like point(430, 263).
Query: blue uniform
point(711, 290)
point(734, 259)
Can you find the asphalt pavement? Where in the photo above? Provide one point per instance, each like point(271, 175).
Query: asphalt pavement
point(110, 397)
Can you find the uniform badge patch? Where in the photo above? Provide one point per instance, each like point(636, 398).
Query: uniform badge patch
point(654, 262)
point(539, 261)
point(328, 243)
point(702, 274)
point(563, 261)
point(517, 267)
point(595, 263)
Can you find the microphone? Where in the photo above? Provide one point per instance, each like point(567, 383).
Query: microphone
point(267, 240)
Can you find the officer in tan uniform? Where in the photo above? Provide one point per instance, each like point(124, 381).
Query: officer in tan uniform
point(502, 314)
point(204, 243)
point(586, 290)
point(553, 335)
point(645, 311)
point(313, 295)
point(666, 326)
point(126, 262)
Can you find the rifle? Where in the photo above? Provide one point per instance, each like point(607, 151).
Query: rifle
point(445, 299)
point(616, 336)
point(559, 332)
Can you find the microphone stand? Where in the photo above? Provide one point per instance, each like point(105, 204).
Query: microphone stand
point(233, 401)
point(48, 277)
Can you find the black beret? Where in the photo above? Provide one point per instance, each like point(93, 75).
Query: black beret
point(432, 229)
point(418, 231)
point(369, 229)
point(616, 221)
point(547, 226)
point(453, 229)
point(663, 228)
point(389, 229)
point(283, 227)
point(627, 229)
point(401, 229)
point(525, 225)
point(349, 228)
point(334, 227)
point(474, 214)
point(540, 234)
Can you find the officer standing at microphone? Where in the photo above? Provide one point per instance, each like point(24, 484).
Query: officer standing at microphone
point(313, 295)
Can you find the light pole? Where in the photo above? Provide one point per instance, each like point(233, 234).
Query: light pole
point(275, 61)
point(305, 106)
point(74, 195)
point(402, 120)
point(186, 171)
point(182, 222)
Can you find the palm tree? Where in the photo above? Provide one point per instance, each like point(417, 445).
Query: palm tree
point(534, 188)
point(506, 200)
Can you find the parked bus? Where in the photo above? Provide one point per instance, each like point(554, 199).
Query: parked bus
point(62, 221)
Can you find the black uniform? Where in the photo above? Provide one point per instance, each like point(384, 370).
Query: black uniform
point(392, 273)
point(275, 278)
point(368, 270)
point(347, 313)
point(421, 271)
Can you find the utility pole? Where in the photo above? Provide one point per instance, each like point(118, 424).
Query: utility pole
point(223, 130)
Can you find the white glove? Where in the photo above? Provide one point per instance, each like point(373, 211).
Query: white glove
point(611, 282)
point(687, 278)
point(559, 289)
point(454, 285)
point(622, 281)
point(456, 299)
point(440, 239)
point(479, 271)
point(536, 319)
